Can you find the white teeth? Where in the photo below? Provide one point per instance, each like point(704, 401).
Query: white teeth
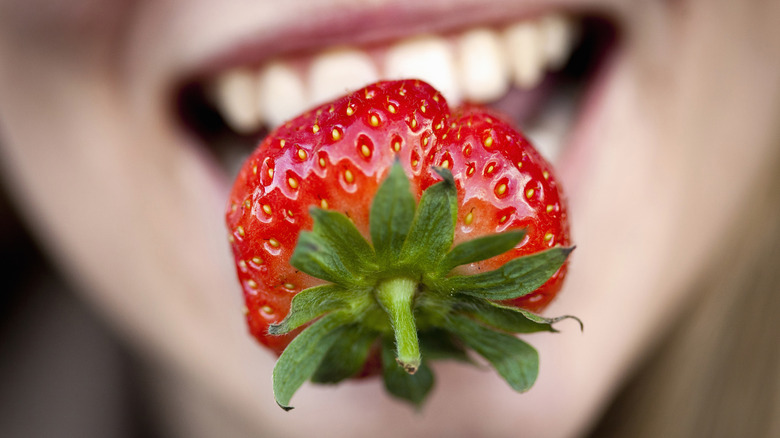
point(336, 72)
point(546, 141)
point(524, 48)
point(281, 94)
point(549, 129)
point(428, 58)
point(478, 65)
point(234, 92)
point(484, 74)
point(557, 37)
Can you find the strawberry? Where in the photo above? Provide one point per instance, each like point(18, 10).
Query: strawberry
point(380, 231)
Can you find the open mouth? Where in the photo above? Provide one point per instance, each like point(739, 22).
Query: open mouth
point(535, 71)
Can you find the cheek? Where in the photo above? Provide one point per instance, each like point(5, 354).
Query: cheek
point(715, 123)
point(77, 28)
point(688, 136)
point(130, 212)
point(669, 181)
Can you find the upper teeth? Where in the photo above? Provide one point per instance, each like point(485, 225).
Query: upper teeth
point(483, 66)
point(336, 72)
point(429, 58)
point(477, 65)
point(279, 95)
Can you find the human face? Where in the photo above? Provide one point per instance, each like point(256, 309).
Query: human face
point(672, 135)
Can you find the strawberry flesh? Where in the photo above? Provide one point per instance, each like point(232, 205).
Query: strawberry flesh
point(336, 157)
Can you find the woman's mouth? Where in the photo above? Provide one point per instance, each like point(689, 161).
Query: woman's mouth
point(533, 70)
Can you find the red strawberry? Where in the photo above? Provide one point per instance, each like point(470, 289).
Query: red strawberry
point(370, 205)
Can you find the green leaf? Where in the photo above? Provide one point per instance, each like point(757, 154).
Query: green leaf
point(445, 175)
point(481, 248)
point(392, 213)
point(513, 359)
point(303, 356)
point(347, 356)
point(516, 278)
point(413, 388)
point(314, 302)
point(437, 344)
point(509, 319)
point(543, 320)
point(334, 250)
point(315, 256)
point(433, 228)
point(344, 236)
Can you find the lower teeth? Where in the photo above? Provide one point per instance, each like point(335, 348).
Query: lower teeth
point(548, 131)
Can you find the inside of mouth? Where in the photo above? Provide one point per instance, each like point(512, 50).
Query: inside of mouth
point(544, 112)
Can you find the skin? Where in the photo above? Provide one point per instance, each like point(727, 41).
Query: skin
point(131, 209)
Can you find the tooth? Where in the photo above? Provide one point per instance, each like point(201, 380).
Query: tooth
point(524, 48)
point(546, 141)
point(558, 39)
point(428, 58)
point(281, 94)
point(233, 153)
point(234, 93)
point(483, 66)
point(548, 132)
point(336, 72)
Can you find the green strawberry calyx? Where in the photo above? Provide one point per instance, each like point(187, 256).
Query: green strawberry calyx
point(400, 295)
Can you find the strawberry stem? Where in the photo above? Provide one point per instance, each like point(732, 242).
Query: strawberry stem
point(403, 280)
point(396, 296)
